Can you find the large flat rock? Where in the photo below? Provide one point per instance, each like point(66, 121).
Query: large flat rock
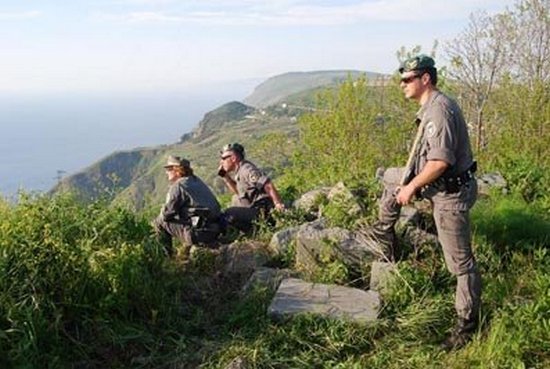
point(296, 296)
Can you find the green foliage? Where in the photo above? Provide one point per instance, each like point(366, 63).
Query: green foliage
point(331, 269)
point(511, 222)
point(76, 279)
point(350, 133)
point(87, 286)
point(518, 137)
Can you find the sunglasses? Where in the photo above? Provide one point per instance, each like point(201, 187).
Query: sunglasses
point(407, 80)
point(169, 169)
point(225, 157)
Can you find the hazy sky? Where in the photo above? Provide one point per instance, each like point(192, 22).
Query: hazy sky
point(132, 45)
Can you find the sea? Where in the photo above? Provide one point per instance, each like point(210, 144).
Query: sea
point(46, 137)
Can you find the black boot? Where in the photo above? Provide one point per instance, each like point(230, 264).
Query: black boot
point(461, 335)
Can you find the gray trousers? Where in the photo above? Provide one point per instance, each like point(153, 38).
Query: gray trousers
point(452, 219)
point(184, 233)
point(242, 213)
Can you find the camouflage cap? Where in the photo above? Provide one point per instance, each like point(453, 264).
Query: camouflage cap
point(235, 147)
point(176, 161)
point(417, 62)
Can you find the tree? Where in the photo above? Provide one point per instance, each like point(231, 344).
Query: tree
point(531, 44)
point(349, 133)
point(477, 59)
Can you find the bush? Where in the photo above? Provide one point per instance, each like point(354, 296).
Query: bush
point(74, 279)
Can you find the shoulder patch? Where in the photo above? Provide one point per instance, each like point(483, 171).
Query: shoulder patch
point(254, 177)
point(430, 129)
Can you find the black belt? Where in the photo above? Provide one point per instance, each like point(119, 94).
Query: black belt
point(454, 183)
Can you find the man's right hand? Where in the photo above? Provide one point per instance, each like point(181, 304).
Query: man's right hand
point(221, 172)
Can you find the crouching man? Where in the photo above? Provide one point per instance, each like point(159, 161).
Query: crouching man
point(191, 212)
point(256, 194)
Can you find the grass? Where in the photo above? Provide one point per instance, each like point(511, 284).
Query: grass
point(86, 286)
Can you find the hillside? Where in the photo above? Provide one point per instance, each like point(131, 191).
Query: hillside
point(277, 88)
point(136, 176)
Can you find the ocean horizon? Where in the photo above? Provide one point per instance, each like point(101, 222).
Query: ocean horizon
point(45, 137)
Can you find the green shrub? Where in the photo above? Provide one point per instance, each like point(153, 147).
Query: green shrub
point(72, 274)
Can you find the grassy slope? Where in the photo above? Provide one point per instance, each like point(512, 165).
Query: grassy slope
point(276, 89)
point(86, 286)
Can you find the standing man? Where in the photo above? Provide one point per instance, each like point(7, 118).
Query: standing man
point(191, 211)
point(441, 170)
point(256, 194)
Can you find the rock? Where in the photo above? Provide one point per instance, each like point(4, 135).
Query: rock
point(489, 181)
point(409, 216)
point(418, 237)
point(379, 174)
point(341, 194)
point(392, 176)
point(238, 363)
point(269, 278)
point(281, 241)
point(245, 257)
point(381, 275)
point(296, 296)
point(313, 241)
point(310, 201)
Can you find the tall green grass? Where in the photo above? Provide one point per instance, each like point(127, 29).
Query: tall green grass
point(81, 284)
point(86, 286)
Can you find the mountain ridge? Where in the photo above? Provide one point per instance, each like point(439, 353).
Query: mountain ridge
point(136, 176)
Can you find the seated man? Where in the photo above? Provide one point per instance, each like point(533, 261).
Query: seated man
point(191, 211)
point(256, 194)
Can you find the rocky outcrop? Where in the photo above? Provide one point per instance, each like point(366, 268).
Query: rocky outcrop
point(310, 201)
point(244, 258)
point(491, 181)
point(281, 241)
point(296, 296)
point(268, 278)
point(341, 195)
point(314, 242)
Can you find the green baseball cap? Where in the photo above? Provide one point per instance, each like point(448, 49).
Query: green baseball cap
point(417, 62)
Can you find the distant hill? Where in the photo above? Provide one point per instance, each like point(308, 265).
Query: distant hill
point(277, 88)
point(217, 118)
point(136, 177)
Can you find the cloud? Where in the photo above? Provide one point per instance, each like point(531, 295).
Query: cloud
point(304, 13)
point(19, 15)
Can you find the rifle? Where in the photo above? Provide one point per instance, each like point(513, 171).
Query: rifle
point(410, 167)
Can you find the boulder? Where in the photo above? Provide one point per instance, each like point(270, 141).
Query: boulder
point(269, 278)
point(313, 241)
point(489, 181)
point(245, 257)
point(238, 363)
point(409, 216)
point(418, 237)
point(295, 296)
point(310, 201)
point(282, 240)
point(382, 273)
point(342, 195)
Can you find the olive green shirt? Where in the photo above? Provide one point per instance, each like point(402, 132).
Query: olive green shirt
point(185, 196)
point(250, 182)
point(445, 135)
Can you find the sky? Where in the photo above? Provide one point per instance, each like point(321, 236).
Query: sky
point(120, 46)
